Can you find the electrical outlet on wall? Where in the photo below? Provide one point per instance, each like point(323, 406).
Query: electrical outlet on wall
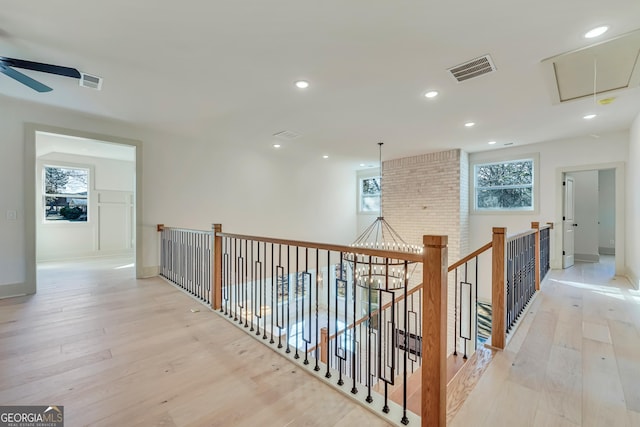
point(612, 242)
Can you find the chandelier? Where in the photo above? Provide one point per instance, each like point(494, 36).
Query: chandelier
point(375, 272)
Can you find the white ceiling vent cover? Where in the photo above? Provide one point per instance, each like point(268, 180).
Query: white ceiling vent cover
point(287, 135)
point(474, 68)
point(92, 82)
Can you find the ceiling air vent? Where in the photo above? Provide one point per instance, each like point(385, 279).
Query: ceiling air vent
point(474, 68)
point(286, 135)
point(93, 82)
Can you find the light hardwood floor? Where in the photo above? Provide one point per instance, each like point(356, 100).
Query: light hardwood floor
point(126, 352)
point(574, 361)
point(116, 351)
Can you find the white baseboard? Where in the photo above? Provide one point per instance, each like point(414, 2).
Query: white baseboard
point(150, 271)
point(635, 281)
point(587, 257)
point(86, 255)
point(13, 290)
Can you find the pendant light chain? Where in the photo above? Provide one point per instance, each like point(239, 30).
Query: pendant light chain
point(380, 158)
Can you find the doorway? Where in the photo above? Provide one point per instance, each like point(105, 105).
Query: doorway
point(591, 212)
point(92, 209)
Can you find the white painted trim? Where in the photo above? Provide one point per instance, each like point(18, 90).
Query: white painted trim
point(12, 290)
point(492, 157)
point(556, 261)
point(634, 279)
point(587, 257)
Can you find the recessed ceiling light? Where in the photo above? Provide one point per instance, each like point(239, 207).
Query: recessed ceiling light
point(598, 31)
point(302, 84)
point(431, 94)
point(276, 146)
point(361, 165)
point(492, 142)
point(325, 157)
point(589, 116)
point(469, 124)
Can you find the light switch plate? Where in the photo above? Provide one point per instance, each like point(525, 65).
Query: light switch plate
point(12, 215)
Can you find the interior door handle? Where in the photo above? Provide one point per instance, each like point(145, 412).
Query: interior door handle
point(575, 225)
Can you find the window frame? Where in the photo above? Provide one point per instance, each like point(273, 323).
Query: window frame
point(363, 175)
point(482, 160)
point(44, 194)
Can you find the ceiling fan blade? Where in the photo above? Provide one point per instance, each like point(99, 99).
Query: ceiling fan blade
point(24, 79)
point(39, 66)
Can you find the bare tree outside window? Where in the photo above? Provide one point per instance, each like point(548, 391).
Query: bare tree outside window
point(370, 194)
point(65, 194)
point(504, 186)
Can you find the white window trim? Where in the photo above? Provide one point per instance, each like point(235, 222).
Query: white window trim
point(91, 206)
point(362, 175)
point(483, 160)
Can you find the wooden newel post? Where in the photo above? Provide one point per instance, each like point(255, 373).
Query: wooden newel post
point(216, 288)
point(434, 332)
point(324, 342)
point(536, 226)
point(498, 290)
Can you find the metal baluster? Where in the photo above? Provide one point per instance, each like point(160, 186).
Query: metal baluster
point(317, 344)
point(274, 308)
point(306, 275)
point(405, 420)
point(297, 305)
point(455, 313)
point(288, 350)
point(329, 282)
point(264, 292)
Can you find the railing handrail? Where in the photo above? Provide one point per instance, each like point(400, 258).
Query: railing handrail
point(404, 256)
point(187, 230)
point(470, 256)
point(522, 234)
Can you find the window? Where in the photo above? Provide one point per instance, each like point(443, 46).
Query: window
point(370, 194)
point(65, 194)
point(504, 186)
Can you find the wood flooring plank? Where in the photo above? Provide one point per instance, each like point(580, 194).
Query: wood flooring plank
point(562, 391)
point(530, 364)
point(626, 346)
point(603, 401)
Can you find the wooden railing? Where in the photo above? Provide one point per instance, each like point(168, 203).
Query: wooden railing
point(186, 258)
point(345, 312)
point(467, 276)
point(349, 314)
point(520, 263)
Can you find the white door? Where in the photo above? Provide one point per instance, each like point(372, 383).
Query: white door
point(568, 223)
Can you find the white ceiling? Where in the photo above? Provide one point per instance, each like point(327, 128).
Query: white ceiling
point(224, 71)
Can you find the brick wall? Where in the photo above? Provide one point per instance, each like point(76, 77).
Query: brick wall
point(429, 194)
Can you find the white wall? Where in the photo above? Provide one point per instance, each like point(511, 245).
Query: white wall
point(554, 156)
point(606, 211)
point(586, 215)
point(109, 229)
point(189, 181)
point(633, 206)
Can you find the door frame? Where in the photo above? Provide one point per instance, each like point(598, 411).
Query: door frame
point(619, 167)
point(30, 130)
point(565, 187)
